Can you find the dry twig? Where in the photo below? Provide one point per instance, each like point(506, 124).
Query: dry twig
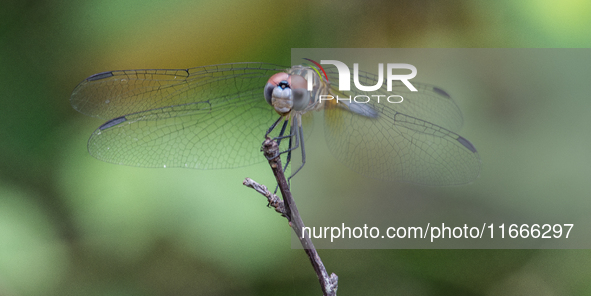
point(288, 209)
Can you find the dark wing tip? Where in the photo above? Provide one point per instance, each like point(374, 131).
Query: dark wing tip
point(466, 143)
point(112, 122)
point(99, 76)
point(441, 92)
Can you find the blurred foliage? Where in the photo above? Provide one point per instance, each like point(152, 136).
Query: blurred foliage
point(71, 225)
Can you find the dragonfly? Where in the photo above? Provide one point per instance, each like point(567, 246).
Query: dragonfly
point(215, 117)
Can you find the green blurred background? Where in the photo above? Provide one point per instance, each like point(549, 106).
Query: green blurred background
point(72, 225)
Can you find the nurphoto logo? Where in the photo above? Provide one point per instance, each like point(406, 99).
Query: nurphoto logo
point(345, 80)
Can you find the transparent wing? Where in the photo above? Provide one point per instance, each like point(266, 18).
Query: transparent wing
point(430, 103)
point(212, 117)
point(390, 144)
point(200, 135)
point(115, 93)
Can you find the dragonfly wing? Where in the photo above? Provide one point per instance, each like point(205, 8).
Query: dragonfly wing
point(395, 146)
point(221, 133)
point(430, 103)
point(205, 117)
point(412, 141)
point(113, 94)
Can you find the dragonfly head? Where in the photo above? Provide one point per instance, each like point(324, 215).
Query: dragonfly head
point(287, 92)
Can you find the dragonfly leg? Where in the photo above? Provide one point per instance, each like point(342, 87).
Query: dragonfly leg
point(292, 133)
point(295, 131)
point(281, 133)
point(280, 137)
point(299, 134)
point(288, 159)
point(272, 126)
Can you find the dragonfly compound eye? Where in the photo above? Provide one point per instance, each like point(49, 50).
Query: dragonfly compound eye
point(272, 83)
point(300, 96)
point(269, 93)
